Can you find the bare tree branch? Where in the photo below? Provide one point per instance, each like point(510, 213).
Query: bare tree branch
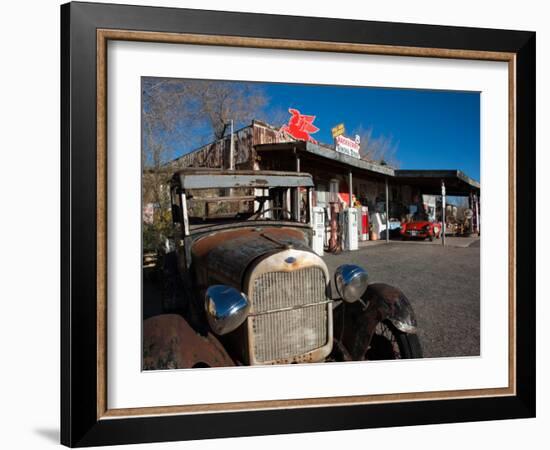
point(182, 114)
point(381, 149)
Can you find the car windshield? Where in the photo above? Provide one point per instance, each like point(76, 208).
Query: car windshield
point(207, 207)
point(420, 216)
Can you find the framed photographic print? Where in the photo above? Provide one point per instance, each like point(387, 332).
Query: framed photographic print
point(276, 224)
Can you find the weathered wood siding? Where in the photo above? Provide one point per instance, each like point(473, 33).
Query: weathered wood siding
point(217, 154)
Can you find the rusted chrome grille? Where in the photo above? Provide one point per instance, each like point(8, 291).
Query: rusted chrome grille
point(289, 333)
point(289, 314)
point(278, 290)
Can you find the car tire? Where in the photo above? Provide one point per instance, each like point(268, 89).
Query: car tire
point(410, 346)
point(390, 343)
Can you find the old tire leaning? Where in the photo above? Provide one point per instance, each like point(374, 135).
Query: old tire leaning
point(390, 343)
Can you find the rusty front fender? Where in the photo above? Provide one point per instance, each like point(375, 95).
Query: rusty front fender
point(170, 343)
point(355, 324)
point(386, 302)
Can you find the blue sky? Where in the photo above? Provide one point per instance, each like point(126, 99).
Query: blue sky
point(433, 129)
point(430, 129)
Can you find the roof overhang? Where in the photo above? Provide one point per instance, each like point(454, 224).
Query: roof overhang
point(218, 179)
point(327, 154)
point(457, 183)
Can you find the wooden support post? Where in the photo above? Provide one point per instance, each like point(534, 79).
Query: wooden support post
point(443, 210)
point(473, 227)
point(297, 190)
point(310, 206)
point(350, 181)
point(476, 200)
point(387, 212)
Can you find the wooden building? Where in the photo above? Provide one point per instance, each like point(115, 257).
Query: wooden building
point(336, 175)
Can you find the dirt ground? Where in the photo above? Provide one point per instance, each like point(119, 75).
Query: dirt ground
point(442, 284)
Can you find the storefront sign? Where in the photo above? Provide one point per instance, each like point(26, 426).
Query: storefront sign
point(348, 146)
point(338, 130)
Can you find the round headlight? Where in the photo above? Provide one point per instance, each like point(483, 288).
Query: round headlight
point(351, 282)
point(226, 308)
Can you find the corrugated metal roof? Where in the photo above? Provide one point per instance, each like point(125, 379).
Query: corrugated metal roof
point(328, 153)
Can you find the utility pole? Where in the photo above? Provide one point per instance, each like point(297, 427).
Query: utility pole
point(231, 150)
point(229, 191)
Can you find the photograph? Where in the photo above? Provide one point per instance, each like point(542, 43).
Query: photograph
point(287, 223)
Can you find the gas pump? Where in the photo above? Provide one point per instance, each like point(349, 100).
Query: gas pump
point(318, 243)
point(364, 223)
point(333, 242)
point(350, 219)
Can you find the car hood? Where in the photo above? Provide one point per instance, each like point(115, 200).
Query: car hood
point(224, 256)
point(417, 225)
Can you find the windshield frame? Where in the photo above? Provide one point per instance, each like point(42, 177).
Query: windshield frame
point(297, 199)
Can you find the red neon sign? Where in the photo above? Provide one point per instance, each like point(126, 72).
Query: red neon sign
point(300, 126)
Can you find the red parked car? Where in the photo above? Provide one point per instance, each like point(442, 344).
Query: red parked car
point(421, 229)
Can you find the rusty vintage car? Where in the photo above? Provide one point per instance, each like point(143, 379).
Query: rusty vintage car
point(247, 289)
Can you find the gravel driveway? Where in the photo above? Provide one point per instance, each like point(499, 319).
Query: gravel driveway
point(442, 284)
